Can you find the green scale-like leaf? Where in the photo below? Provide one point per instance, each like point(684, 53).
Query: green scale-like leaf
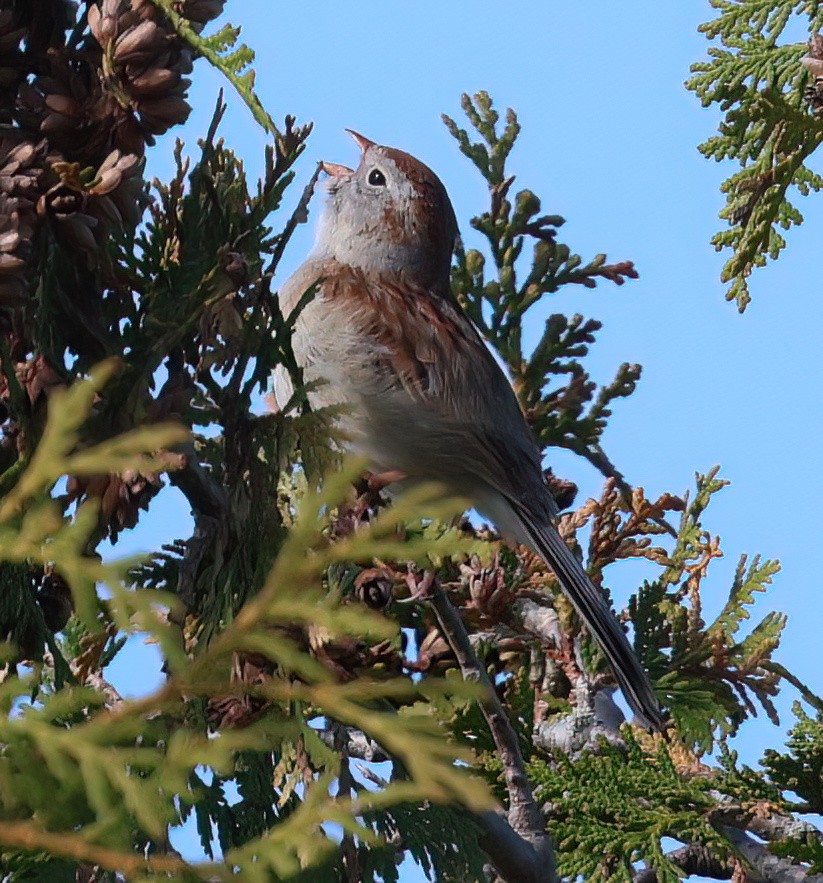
point(767, 128)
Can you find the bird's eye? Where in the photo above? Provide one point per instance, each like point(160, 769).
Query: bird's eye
point(377, 178)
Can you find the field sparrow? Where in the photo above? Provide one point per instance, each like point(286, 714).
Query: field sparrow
point(423, 396)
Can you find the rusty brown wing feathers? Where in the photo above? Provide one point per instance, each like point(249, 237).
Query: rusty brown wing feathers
point(469, 431)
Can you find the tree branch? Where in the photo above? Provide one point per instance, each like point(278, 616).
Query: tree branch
point(595, 714)
point(71, 845)
point(209, 503)
point(780, 827)
point(695, 859)
point(205, 494)
point(770, 868)
point(359, 745)
point(771, 826)
point(519, 847)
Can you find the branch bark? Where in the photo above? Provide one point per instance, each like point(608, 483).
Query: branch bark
point(769, 867)
point(595, 714)
point(209, 504)
point(359, 745)
point(205, 494)
point(517, 845)
point(695, 859)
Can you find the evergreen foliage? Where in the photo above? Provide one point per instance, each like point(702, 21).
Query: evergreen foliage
point(769, 94)
point(345, 682)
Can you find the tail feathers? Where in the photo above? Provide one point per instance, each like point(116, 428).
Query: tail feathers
point(601, 622)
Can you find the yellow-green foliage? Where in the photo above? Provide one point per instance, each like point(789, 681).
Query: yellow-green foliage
point(88, 780)
point(768, 127)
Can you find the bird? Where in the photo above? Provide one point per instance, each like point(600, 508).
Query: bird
point(384, 341)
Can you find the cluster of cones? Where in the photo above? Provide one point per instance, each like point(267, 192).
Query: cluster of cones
point(84, 88)
point(79, 102)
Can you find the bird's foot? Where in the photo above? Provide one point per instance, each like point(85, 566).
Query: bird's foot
point(421, 585)
point(378, 481)
point(369, 488)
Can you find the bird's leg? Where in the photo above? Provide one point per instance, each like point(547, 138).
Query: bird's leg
point(367, 500)
point(369, 488)
point(421, 587)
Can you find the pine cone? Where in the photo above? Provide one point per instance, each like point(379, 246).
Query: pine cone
point(201, 12)
point(374, 586)
point(119, 191)
point(126, 84)
point(68, 104)
point(28, 31)
point(86, 206)
point(145, 64)
point(55, 600)
point(37, 377)
point(121, 497)
point(21, 179)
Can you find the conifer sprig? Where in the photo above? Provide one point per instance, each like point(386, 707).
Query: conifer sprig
point(770, 127)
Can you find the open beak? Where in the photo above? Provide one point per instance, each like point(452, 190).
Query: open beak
point(336, 171)
point(340, 172)
point(363, 142)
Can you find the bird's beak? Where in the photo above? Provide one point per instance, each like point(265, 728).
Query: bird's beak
point(362, 141)
point(339, 172)
point(336, 171)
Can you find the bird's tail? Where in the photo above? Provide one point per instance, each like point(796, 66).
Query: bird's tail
point(601, 622)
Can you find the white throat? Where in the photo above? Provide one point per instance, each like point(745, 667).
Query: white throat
point(368, 248)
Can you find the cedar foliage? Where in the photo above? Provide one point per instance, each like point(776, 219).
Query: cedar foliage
point(306, 678)
point(770, 93)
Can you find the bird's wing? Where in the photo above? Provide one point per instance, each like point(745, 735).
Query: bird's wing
point(433, 354)
point(439, 403)
point(295, 295)
point(422, 347)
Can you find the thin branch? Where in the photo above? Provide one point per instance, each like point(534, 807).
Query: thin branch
point(770, 868)
point(520, 848)
point(600, 460)
point(300, 215)
point(27, 835)
point(96, 680)
point(209, 503)
point(346, 786)
point(359, 745)
point(771, 826)
point(695, 860)
point(205, 494)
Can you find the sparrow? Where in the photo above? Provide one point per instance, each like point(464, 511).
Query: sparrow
point(386, 343)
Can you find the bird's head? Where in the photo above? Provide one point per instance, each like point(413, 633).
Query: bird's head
point(389, 215)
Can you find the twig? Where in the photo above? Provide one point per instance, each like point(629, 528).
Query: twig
point(359, 745)
point(695, 859)
point(346, 787)
point(598, 458)
point(769, 867)
point(96, 680)
point(70, 845)
point(205, 494)
point(209, 503)
point(519, 846)
point(299, 216)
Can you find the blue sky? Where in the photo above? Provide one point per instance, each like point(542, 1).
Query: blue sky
point(609, 142)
